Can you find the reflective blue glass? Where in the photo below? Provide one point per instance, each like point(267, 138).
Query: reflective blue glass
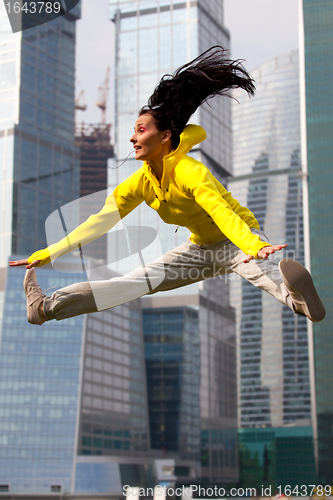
point(274, 381)
point(97, 478)
point(173, 32)
point(318, 51)
point(39, 388)
point(173, 366)
point(44, 123)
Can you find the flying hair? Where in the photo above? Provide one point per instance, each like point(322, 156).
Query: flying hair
point(178, 96)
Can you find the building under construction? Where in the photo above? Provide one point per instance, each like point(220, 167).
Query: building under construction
point(93, 140)
point(95, 150)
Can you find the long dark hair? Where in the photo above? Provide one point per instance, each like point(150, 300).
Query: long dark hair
point(177, 96)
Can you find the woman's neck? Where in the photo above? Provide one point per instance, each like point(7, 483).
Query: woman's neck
point(157, 163)
point(157, 166)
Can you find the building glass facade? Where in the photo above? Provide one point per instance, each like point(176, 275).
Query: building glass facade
point(155, 37)
point(218, 385)
point(318, 100)
point(40, 372)
point(73, 396)
point(276, 456)
point(114, 417)
point(273, 360)
point(39, 172)
point(172, 351)
point(191, 360)
point(73, 393)
point(40, 163)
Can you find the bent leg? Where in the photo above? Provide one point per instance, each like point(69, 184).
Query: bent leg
point(181, 266)
point(289, 282)
point(262, 273)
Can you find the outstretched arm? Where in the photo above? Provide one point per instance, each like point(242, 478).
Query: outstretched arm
point(95, 226)
point(204, 188)
point(127, 196)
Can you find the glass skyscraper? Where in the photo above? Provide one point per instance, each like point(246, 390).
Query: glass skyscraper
point(39, 162)
point(39, 387)
point(155, 37)
point(218, 384)
point(273, 361)
point(172, 351)
point(317, 127)
point(73, 394)
point(39, 172)
point(74, 415)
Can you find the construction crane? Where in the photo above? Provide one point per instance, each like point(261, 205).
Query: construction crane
point(103, 95)
point(80, 105)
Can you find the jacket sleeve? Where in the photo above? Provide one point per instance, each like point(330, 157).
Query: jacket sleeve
point(208, 196)
point(125, 198)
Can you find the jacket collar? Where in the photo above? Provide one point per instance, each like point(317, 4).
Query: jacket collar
point(191, 135)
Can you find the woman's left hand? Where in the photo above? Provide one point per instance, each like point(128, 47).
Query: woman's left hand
point(265, 252)
point(24, 262)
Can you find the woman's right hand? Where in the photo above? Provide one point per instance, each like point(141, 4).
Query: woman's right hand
point(265, 251)
point(24, 262)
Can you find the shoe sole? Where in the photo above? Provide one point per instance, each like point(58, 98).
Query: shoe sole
point(25, 280)
point(28, 271)
point(299, 281)
point(25, 290)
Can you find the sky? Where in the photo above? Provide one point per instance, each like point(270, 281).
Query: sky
point(260, 30)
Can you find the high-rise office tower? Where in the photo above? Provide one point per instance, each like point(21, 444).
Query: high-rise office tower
point(73, 394)
point(39, 172)
point(316, 49)
point(155, 37)
point(172, 352)
point(274, 381)
point(74, 415)
point(39, 164)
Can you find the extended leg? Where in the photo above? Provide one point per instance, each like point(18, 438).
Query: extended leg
point(181, 266)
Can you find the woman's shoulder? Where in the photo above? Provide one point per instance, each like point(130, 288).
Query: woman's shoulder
point(189, 166)
point(137, 176)
point(134, 183)
point(187, 161)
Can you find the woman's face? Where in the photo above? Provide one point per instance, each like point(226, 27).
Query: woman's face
point(148, 141)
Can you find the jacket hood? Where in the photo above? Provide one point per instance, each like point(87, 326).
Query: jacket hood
point(191, 135)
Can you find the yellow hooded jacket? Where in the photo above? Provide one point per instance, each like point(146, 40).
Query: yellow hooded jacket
point(189, 195)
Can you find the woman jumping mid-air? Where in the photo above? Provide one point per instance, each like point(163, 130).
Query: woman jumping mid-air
point(225, 237)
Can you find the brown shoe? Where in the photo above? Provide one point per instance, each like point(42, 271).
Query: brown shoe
point(34, 295)
point(302, 291)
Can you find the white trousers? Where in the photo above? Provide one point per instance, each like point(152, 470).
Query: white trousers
point(184, 265)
